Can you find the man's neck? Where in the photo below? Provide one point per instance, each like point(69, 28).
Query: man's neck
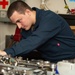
point(34, 16)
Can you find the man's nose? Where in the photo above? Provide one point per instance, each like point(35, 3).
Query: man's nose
point(19, 25)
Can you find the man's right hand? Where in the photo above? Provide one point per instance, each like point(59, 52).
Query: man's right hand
point(3, 53)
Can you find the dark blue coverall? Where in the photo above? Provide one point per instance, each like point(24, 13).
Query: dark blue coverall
point(51, 36)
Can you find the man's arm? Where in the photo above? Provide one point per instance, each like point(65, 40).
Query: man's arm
point(38, 37)
point(46, 29)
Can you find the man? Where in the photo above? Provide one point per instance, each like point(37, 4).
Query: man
point(42, 30)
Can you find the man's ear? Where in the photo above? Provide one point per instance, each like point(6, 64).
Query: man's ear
point(27, 11)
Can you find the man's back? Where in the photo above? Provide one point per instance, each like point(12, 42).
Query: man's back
point(59, 43)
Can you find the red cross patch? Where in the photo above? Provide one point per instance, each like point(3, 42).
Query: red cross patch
point(4, 4)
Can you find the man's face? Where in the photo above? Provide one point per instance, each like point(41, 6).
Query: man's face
point(22, 20)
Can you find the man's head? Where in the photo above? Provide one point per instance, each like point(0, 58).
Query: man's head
point(21, 14)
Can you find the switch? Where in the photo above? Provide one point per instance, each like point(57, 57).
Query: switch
point(3, 14)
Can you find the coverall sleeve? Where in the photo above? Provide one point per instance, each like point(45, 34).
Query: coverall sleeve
point(47, 29)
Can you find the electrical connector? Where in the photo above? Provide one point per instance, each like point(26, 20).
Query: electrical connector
point(42, 5)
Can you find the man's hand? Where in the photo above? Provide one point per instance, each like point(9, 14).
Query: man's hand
point(3, 53)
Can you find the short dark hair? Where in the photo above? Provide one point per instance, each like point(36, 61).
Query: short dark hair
point(19, 6)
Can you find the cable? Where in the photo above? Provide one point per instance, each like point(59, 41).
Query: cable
point(66, 6)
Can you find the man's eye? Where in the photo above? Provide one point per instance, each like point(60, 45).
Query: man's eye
point(18, 21)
